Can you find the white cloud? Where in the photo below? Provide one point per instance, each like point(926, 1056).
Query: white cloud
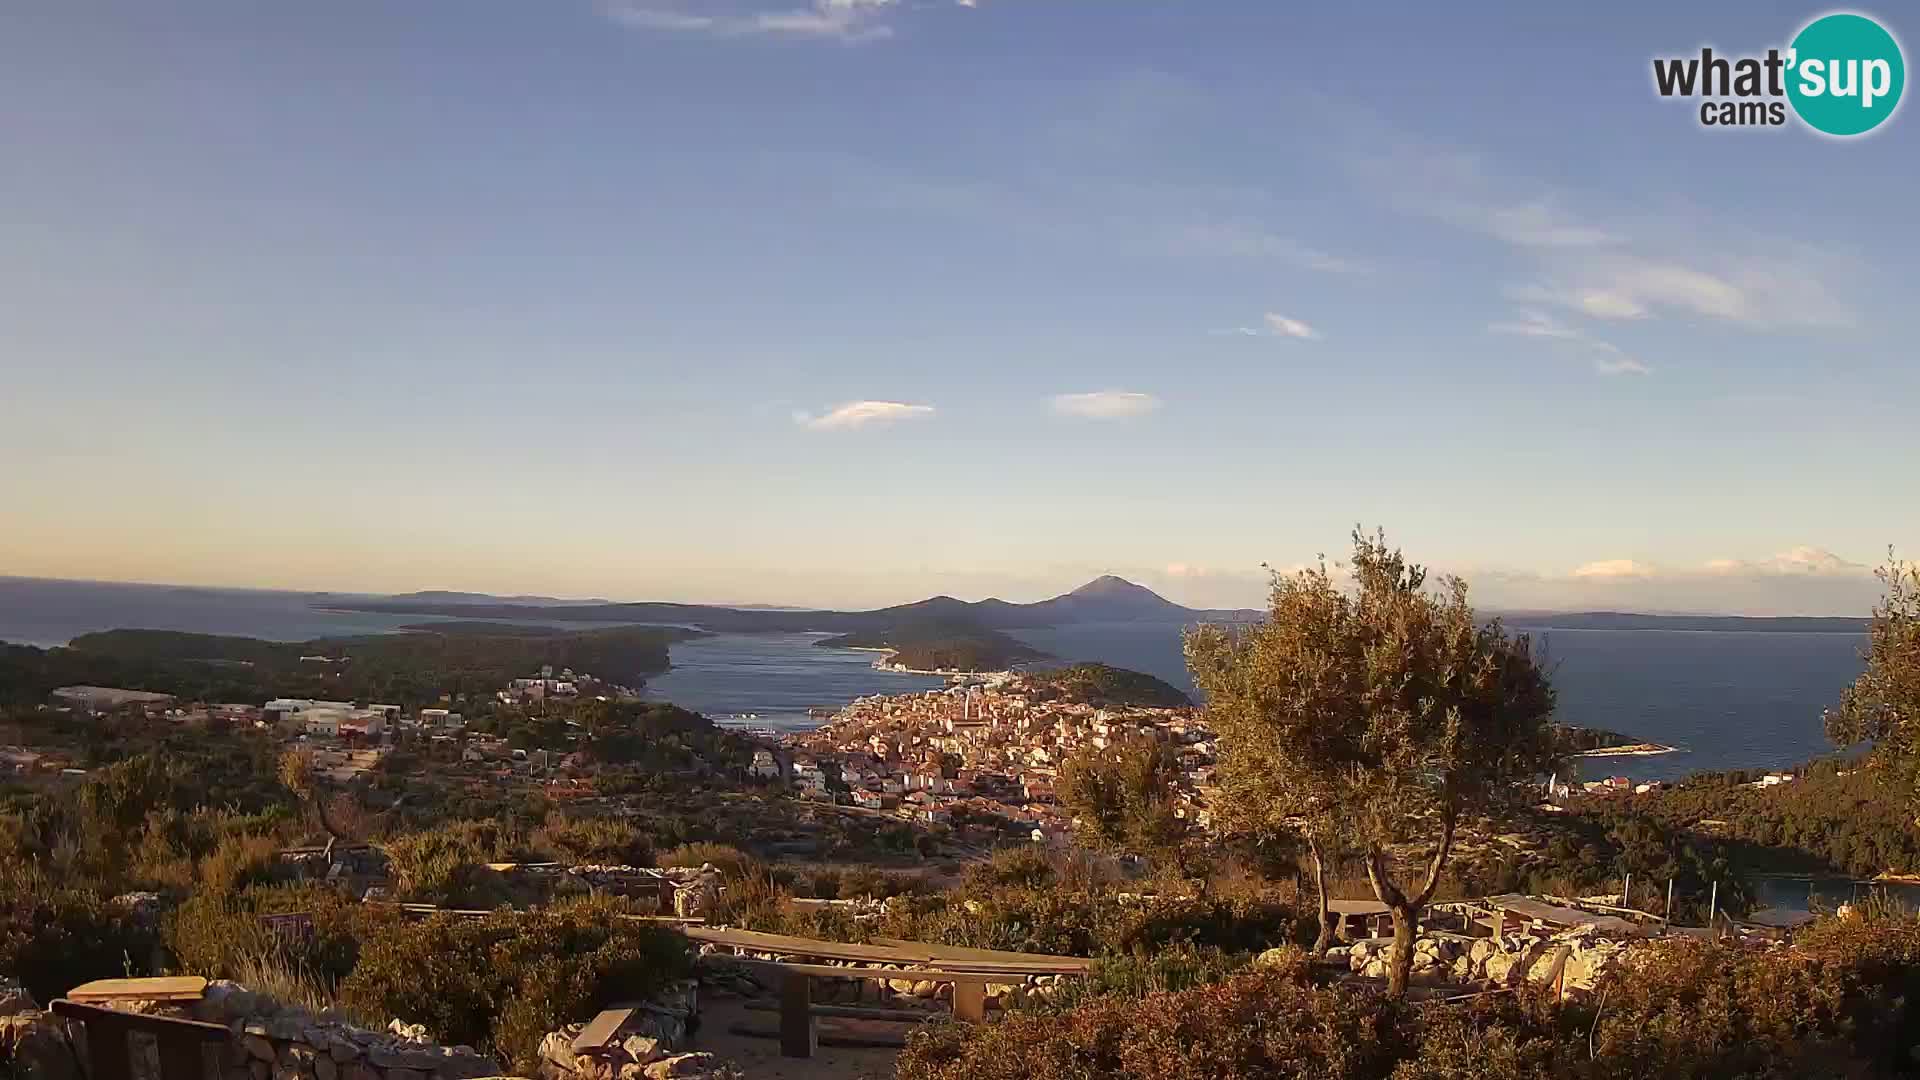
point(1804, 580)
point(1608, 358)
point(843, 20)
point(856, 414)
point(1283, 326)
point(1614, 568)
point(1105, 404)
point(1804, 560)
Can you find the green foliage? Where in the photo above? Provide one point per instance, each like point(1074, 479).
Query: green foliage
point(600, 841)
point(732, 863)
point(447, 865)
point(1121, 798)
point(411, 669)
point(502, 981)
point(1883, 704)
point(1376, 717)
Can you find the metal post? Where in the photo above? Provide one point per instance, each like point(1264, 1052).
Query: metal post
point(1669, 901)
point(1626, 890)
point(1713, 905)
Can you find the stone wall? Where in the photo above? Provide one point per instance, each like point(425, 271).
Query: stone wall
point(1458, 960)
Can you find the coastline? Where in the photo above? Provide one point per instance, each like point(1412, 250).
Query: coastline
point(897, 669)
point(1629, 750)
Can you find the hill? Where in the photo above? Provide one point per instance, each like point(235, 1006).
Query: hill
point(407, 669)
point(1104, 599)
point(1102, 685)
point(935, 644)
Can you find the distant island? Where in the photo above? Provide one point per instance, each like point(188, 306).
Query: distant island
point(409, 668)
point(940, 646)
point(1599, 742)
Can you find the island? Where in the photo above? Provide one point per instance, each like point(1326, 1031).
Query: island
point(940, 647)
point(1599, 742)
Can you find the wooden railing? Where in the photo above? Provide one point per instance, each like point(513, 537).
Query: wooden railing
point(183, 1044)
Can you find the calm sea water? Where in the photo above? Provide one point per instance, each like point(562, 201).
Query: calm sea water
point(1728, 699)
point(777, 677)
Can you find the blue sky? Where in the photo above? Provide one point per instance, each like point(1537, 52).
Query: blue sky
point(848, 302)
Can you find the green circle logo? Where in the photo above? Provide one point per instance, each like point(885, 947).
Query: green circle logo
point(1845, 74)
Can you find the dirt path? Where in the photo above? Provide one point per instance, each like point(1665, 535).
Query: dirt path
point(760, 1058)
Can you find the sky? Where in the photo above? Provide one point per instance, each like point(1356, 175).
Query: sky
point(849, 302)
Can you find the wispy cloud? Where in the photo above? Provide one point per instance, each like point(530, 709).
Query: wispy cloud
point(1273, 324)
point(1250, 240)
point(856, 414)
point(1619, 266)
point(842, 20)
point(1105, 404)
point(1608, 358)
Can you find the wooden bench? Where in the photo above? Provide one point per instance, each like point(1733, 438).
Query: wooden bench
point(182, 1043)
point(799, 1031)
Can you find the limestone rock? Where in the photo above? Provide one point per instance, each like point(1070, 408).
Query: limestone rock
point(695, 1066)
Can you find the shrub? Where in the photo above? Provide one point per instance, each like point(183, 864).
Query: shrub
point(55, 937)
point(601, 841)
point(502, 981)
point(730, 861)
point(446, 866)
point(1258, 1025)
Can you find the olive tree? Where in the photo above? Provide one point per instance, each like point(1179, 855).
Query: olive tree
point(1375, 717)
point(1883, 704)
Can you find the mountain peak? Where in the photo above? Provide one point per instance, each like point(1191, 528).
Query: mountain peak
point(1112, 585)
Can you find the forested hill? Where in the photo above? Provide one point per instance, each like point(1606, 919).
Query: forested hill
point(1102, 685)
point(404, 669)
point(941, 645)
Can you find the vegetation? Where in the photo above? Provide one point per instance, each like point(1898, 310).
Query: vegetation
point(502, 981)
point(1883, 705)
point(1104, 686)
point(1829, 1007)
point(1119, 797)
point(409, 669)
point(1380, 716)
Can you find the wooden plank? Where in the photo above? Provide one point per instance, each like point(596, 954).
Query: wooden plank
point(600, 1029)
point(182, 1058)
point(953, 956)
point(799, 946)
point(970, 1002)
point(181, 1042)
point(799, 1032)
point(829, 971)
point(855, 1012)
point(165, 988)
